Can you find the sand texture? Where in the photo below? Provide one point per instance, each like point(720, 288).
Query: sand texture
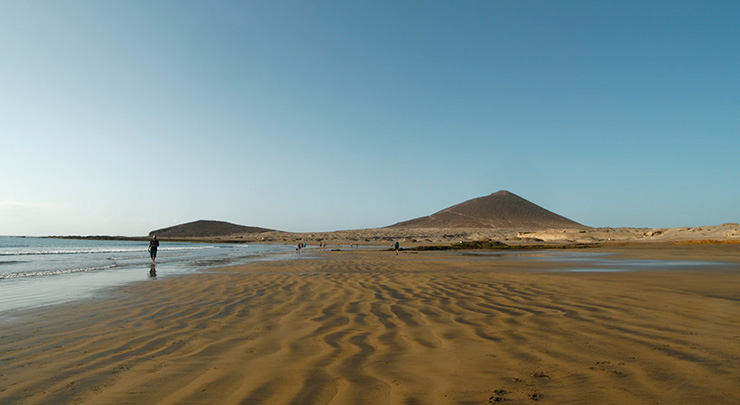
point(375, 328)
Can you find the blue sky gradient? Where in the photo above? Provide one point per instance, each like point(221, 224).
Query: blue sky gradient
point(123, 117)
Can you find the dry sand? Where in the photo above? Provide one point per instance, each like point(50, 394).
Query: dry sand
point(729, 233)
point(372, 327)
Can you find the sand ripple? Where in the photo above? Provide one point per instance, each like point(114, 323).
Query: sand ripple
point(373, 328)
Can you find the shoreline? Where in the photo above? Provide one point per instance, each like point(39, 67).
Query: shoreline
point(716, 234)
point(371, 327)
point(39, 274)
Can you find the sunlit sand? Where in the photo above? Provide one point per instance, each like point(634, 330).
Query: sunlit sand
point(371, 327)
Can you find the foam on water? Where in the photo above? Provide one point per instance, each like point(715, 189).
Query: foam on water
point(45, 271)
point(52, 272)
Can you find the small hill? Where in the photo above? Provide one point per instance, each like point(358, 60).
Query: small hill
point(498, 210)
point(204, 228)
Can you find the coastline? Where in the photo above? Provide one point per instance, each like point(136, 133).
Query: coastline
point(372, 327)
point(605, 236)
point(43, 272)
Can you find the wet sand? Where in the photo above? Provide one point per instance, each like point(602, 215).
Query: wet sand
point(376, 328)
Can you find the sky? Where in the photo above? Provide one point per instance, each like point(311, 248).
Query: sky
point(121, 117)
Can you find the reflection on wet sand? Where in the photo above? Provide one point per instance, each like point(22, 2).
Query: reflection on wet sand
point(373, 327)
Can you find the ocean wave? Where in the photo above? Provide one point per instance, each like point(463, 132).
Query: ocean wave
point(41, 252)
point(189, 248)
point(6, 276)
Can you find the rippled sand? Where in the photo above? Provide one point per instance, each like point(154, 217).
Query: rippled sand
point(372, 327)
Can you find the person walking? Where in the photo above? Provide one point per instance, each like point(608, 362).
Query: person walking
point(396, 246)
point(153, 245)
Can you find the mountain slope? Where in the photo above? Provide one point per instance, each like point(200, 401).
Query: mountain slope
point(498, 210)
point(204, 228)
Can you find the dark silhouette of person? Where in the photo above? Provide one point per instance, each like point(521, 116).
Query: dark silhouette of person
point(396, 246)
point(153, 245)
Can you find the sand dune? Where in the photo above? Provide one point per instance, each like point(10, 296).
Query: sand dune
point(375, 328)
point(729, 232)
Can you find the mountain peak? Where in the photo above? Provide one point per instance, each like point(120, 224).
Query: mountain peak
point(502, 209)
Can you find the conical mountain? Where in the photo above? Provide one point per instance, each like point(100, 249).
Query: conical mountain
point(498, 210)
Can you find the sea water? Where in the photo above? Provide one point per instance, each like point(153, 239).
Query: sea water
point(578, 261)
point(43, 271)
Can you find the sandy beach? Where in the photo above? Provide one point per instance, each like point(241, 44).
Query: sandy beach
point(370, 327)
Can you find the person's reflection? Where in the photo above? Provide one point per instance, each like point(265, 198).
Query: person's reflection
point(153, 271)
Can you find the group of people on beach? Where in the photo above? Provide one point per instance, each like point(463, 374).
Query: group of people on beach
point(154, 245)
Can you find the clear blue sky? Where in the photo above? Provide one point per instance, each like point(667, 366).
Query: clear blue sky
point(120, 117)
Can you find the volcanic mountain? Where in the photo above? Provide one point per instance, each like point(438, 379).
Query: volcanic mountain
point(203, 228)
point(498, 210)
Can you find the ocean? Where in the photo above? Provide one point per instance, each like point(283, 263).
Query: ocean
point(36, 272)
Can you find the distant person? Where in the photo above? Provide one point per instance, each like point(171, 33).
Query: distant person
point(153, 245)
point(396, 246)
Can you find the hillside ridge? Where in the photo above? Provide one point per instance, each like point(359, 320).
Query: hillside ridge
point(502, 209)
point(206, 228)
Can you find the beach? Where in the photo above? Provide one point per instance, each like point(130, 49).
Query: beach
point(615, 325)
point(36, 272)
